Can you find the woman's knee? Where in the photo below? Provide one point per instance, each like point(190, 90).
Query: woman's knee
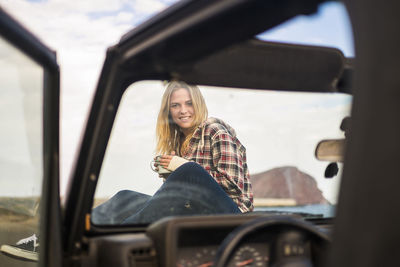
point(191, 174)
point(190, 168)
point(122, 193)
point(189, 165)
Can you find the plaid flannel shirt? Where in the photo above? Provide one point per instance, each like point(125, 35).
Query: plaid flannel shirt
point(215, 147)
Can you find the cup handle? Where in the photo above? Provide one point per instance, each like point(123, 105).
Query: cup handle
point(152, 166)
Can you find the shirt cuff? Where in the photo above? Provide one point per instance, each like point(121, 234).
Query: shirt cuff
point(176, 162)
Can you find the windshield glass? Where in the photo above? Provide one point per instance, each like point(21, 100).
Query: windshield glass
point(266, 139)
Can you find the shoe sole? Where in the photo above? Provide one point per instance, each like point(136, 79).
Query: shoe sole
point(20, 253)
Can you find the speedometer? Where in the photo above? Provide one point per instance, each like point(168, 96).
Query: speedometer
point(197, 257)
point(251, 255)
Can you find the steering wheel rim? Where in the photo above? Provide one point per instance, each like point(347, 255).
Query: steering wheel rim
point(234, 239)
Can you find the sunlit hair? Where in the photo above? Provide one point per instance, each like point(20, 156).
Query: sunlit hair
point(167, 131)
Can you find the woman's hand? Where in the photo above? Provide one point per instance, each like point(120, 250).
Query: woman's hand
point(169, 162)
point(163, 160)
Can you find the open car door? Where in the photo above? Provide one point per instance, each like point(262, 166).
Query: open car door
point(29, 141)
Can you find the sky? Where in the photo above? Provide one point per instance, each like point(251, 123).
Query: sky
point(81, 31)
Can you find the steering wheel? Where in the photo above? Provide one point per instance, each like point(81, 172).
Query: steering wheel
point(293, 242)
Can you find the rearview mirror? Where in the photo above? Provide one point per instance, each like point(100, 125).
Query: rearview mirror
point(330, 150)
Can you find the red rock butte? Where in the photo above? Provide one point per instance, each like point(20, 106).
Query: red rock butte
point(287, 183)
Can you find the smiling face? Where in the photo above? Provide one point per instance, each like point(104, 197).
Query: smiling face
point(181, 109)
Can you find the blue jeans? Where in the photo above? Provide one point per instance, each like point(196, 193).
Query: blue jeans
point(189, 190)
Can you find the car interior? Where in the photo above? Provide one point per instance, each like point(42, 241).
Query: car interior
point(320, 127)
point(232, 65)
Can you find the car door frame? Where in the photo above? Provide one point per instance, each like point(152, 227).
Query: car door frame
point(50, 210)
point(158, 49)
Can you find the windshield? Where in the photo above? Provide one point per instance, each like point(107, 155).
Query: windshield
point(270, 135)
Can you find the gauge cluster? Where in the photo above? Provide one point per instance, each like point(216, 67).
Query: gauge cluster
point(249, 254)
point(196, 256)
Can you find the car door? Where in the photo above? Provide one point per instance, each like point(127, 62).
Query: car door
point(29, 141)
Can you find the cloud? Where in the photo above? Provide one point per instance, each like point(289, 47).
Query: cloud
point(147, 6)
point(61, 23)
point(80, 32)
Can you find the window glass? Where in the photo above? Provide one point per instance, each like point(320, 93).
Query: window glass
point(21, 160)
point(280, 131)
point(330, 26)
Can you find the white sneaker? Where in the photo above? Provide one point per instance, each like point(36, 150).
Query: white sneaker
point(26, 248)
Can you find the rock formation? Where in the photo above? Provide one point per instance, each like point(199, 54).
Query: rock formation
point(287, 183)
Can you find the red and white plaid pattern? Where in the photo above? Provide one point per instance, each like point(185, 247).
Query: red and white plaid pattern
point(215, 147)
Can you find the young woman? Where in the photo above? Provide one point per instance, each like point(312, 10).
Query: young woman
point(209, 173)
point(184, 133)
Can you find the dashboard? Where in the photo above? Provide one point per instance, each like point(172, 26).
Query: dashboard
point(197, 241)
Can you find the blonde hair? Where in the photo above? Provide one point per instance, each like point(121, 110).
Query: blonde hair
point(169, 136)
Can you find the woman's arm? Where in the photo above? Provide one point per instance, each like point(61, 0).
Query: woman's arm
point(230, 168)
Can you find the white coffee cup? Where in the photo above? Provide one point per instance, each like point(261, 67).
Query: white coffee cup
point(159, 169)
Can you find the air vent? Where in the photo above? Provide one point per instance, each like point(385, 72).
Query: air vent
point(143, 257)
